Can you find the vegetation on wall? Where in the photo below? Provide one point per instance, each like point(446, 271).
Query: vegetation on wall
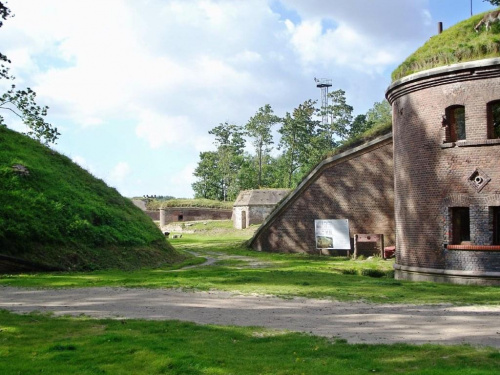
point(459, 43)
point(154, 204)
point(54, 212)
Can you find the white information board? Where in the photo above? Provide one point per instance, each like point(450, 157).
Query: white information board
point(332, 234)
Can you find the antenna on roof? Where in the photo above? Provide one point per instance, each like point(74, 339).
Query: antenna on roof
point(324, 84)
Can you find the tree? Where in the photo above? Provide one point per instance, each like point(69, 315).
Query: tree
point(493, 2)
point(359, 125)
point(380, 113)
point(298, 135)
point(340, 118)
point(22, 102)
point(209, 184)
point(259, 128)
point(230, 145)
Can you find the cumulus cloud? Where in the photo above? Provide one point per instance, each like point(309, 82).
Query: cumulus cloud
point(168, 71)
point(161, 130)
point(119, 172)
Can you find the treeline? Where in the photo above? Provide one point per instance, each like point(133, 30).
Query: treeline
point(303, 142)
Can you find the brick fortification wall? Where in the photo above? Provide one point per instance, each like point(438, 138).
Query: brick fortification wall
point(355, 185)
point(433, 175)
point(180, 214)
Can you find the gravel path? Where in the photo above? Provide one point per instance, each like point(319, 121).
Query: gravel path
point(355, 321)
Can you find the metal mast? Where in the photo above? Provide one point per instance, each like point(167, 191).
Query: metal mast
point(324, 84)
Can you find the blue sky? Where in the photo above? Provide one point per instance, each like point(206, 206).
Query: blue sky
point(134, 87)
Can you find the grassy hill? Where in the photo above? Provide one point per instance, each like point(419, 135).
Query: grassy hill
point(459, 43)
point(55, 213)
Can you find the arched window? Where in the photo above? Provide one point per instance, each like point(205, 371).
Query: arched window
point(455, 116)
point(493, 114)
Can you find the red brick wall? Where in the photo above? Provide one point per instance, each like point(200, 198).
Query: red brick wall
point(195, 214)
point(358, 187)
point(432, 176)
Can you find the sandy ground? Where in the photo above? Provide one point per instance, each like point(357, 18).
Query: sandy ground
point(354, 321)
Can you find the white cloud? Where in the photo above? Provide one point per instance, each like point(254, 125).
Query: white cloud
point(173, 69)
point(159, 129)
point(180, 183)
point(82, 162)
point(119, 172)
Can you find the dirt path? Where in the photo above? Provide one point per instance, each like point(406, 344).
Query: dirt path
point(357, 322)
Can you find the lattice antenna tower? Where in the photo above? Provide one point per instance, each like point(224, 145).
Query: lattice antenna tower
point(324, 84)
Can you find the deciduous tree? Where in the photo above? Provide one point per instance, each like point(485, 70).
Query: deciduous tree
point(259, 129)
point(339, 120)
point(298, 139)
point(22, 102)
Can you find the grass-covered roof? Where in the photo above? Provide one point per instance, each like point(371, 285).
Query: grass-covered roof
point(459, 43)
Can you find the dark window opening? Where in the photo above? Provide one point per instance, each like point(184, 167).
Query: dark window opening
point(460, 225)
point(493, 109)
point(180, 217)
point(496, 225)
point(455, 116)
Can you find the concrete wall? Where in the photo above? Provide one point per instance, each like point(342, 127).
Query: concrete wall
point(432, 174)
point(243, 216)
point(357, 185)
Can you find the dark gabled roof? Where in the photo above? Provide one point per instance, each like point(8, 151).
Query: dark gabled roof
point(264, 197)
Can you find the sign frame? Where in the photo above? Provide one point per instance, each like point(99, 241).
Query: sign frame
point(332, 234)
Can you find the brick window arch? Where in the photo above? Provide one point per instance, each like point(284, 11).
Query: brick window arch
point(493, 117)
point(455, 116)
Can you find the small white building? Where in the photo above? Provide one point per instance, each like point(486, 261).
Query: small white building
point(253, 206)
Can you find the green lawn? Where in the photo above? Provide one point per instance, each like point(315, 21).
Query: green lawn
point(34, 344)
point(37, 343)
point(242, 270)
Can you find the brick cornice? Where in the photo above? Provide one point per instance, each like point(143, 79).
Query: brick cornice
point(474, 70)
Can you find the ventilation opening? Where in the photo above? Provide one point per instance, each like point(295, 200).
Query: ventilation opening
point(180, 217)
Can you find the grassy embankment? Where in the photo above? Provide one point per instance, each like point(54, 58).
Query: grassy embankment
point(55, 213)
point(459, 43)
point(286, 275)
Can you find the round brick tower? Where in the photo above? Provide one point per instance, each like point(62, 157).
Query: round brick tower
point(446, 129)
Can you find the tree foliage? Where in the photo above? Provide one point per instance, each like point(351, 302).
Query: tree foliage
point(259, 129)
point(493, 2)
point(304, 141)
point(217, 171)
point(340, 118)
point(22, 102)
point(298, 138)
